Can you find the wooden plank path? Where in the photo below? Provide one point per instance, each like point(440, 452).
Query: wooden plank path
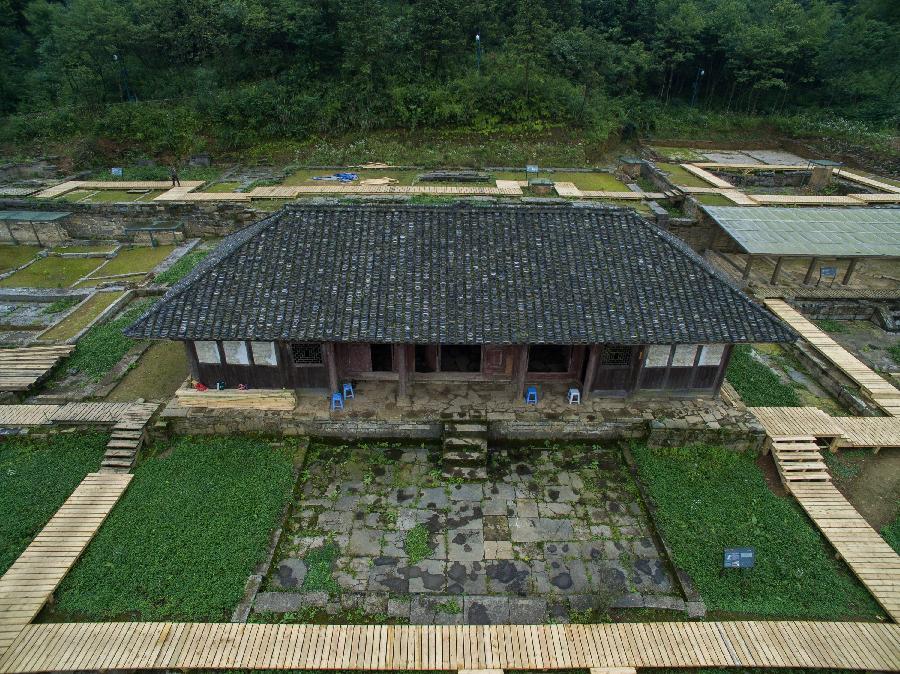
point(703, 174)
point(797, 421)
point(606, 194)
point(882, 392)
point(26, 415)
point(869, 432)
point(91, 412)
point(63, 188)
point(33, 577)
point(128, 436)
point(21, 369)
point(185, 646)
point(292, 191)
point(872, 560)
point(868, 182)
point(806, 200)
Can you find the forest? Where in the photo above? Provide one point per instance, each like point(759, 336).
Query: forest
point(167, 73)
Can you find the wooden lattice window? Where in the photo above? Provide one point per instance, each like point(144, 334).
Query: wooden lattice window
point(306, 353)
point(615, 356)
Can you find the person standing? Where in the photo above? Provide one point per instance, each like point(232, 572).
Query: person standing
point(175, 179)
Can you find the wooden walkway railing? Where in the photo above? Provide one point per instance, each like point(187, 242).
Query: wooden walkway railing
point(112, 646)
point(29, 582)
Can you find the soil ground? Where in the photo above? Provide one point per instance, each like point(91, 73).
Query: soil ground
point(871, 482)
point(157, 375)
point(866, 341)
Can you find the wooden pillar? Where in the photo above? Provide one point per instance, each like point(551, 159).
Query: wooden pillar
point(521, 372)
point(723, 366)
point(809, 272)
point(850, 269)
point(193, 363)
point(401, 354)
point(331, 364)
point(777, 272)
point(747, 268)
point(593, 358)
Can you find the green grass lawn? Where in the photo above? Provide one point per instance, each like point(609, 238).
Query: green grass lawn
point(711, 498)
point(75, 322)
point(136, 259)
point(181, 268)
point(222, 187)
point(52, 272)
point(891, 534)
point(101, 347)
point(713, 200)
point(12, 257)
point(185, 536)
point(158, 374)
point(680, 176)
point(682, 154)
point(36, 477)
point(757, 385)
point(115, 196)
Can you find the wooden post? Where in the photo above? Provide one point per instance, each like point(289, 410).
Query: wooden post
point(521, 371)
point(777, 272)
point(331, 364)
point(401, 353)
point(747, 268)
point(809, 272)
point(193, 363)
point(850, 269)
point(588, 383)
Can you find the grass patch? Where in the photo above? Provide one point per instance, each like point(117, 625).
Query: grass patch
point(37, 474)
point(189, 530)
point(711, 498)
point(52, 272)
point(104, 345)
point(136, 259)
point(158, 374)
point(829, 325)
point(713, 200)
point(681, 176)
point(416, 544)
point(891, 534)
point(181, 268)
point(757, 385)
point(678, 154)
point(319, 564)
point(79, 319)
point(894, 353)
point(61, 305)
point(12, 257)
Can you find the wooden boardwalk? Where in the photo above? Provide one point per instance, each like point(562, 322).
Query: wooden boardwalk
point(869, 432)
point(184, 646)
point(127, 437)
point(703, 174)
point(26, 415)
point(102, 413)
point(784, 422)
point(872, 560)
point(21, 369)
point(30, 581)
point(63, 188)
point(880, 391)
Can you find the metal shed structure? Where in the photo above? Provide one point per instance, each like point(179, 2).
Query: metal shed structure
point(818, 233)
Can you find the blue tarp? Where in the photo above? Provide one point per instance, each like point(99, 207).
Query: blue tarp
point(340, 177)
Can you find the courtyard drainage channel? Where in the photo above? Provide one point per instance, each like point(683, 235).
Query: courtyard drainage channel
point(375, 533)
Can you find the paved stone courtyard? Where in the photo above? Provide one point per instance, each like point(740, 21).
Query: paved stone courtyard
point(554, 530)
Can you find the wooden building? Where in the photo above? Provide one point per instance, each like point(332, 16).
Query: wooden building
point(593, 297)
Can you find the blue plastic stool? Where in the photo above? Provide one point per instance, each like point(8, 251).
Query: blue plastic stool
point(337, 401)
point(348, 391)
point(531, 397)
point(574, 396)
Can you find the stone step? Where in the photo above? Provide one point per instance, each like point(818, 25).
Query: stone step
point(123, 444)
point(465, 428)
point(463, 458)
point(465, 442)
point(119, 454)
point(468, 473)
point(117, 463)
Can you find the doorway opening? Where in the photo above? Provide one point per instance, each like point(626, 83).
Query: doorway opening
point(460, 358)
point(549, 358)
point(382, 358)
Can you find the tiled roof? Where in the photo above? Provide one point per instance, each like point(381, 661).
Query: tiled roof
point(457, 275)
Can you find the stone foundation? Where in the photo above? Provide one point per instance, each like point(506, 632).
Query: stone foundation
point(110, 221)
point(740, 432)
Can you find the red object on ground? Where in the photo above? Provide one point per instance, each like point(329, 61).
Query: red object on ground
point(201, 387)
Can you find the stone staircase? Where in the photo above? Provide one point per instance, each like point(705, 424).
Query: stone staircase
point(465, 449)
point(128, 436)
point(799, 460)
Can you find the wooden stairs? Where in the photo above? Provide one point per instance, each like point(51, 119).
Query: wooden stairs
point(799, 460)
point(465, 449)
point(128, 436)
